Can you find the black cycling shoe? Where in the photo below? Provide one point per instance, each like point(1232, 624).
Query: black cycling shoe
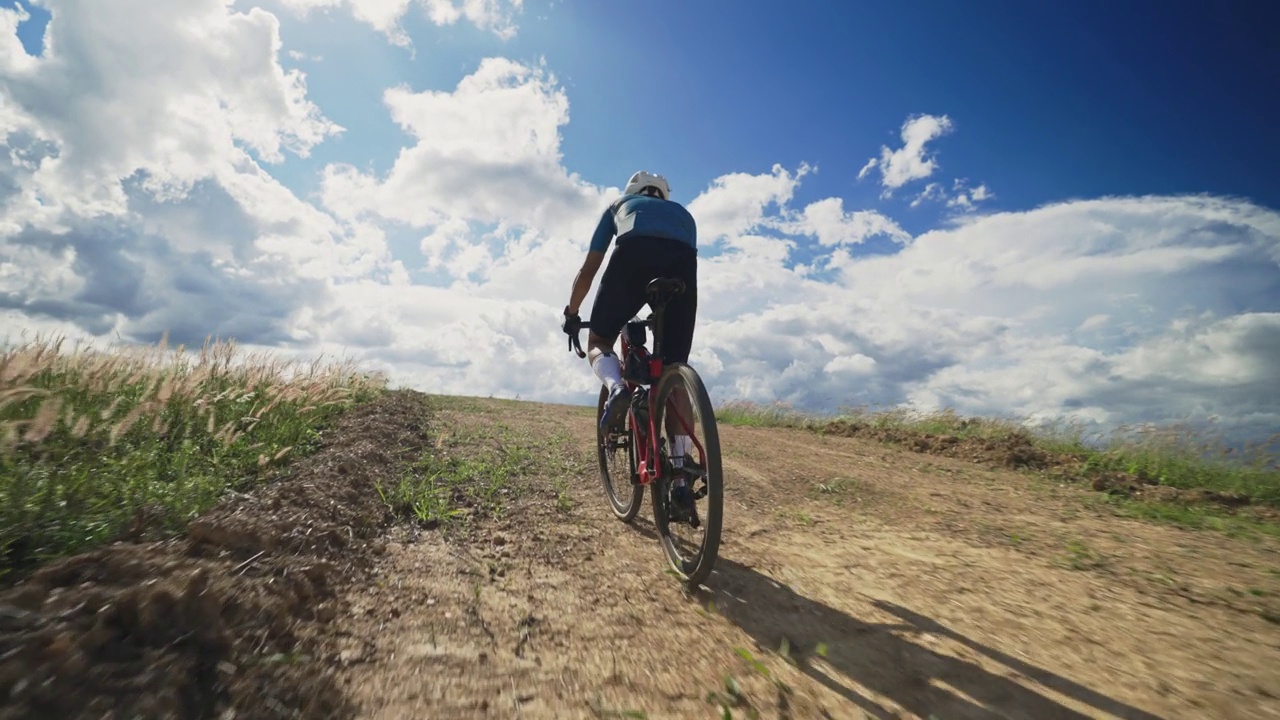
point(615, 409)
point(682, 506)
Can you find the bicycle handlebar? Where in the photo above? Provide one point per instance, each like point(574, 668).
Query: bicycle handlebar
point(574, 343)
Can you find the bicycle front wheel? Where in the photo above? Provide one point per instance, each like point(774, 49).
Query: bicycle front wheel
point(618, 467)
point(689, 519)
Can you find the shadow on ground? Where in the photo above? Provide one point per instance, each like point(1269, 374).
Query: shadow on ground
point(878, 658)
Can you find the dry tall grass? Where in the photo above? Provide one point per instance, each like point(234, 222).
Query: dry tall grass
point(90, 438)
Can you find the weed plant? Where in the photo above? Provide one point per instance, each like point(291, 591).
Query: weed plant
point(96, 443)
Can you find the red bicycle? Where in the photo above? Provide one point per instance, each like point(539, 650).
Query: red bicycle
point(666, 400)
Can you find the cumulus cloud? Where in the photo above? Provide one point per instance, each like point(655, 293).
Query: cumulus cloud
point(1209, 369)
point(137, 199)
point(489, 151)
point(200, 93)
point(1110, 310)
point(497, 16)
point(828, 221)
point(965, 198)
point(961, 198)
point(737, 202)
point(909, 162)
point(932, 191)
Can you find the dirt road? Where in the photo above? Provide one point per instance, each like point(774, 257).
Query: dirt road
point(863, 581)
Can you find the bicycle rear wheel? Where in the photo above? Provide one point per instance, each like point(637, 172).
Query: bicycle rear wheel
point(690, 556)
point(618, 467)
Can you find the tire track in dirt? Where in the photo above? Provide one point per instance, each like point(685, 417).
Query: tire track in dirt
point(887, 608)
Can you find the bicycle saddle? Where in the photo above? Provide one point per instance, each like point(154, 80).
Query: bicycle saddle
point(665, 287)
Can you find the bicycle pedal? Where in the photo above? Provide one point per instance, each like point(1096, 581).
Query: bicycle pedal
point(700, 493)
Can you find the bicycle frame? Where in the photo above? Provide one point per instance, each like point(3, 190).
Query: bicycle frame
point(647, 449)
point(648, 453)
point(646, 417)
point(646, 438)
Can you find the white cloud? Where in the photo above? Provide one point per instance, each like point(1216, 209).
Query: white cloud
point(866, 169)
point(1070, 309)
point(827, 221)
point(932, 191)
point(487, 152)
point(965, 198)
point(136, 146)
point(1206, 369)
point(736, 203)
point(1093, 322)
point(857, 364)
point(1111, 310)
point(497, 16)
point(909, 162)
point(12, 54)
point(197, 89)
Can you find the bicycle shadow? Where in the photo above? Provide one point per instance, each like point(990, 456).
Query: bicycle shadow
point(877, 657)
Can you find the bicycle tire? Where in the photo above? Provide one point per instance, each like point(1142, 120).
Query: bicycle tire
point(693, 571)
point(625, 497)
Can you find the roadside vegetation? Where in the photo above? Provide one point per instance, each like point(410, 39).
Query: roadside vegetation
point(96, 445)
point(1166, 473)
point(480, 464)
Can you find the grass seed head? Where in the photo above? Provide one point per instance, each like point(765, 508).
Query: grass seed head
point(45, 420)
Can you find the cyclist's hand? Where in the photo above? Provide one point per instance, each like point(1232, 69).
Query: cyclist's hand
point(572, 324)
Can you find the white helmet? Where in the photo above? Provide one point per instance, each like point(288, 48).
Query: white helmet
point(642, 180)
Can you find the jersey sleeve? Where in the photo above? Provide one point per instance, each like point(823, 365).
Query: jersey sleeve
point(605, 230)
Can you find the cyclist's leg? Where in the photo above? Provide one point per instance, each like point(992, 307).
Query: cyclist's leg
point(618, 299)
point(677, 342)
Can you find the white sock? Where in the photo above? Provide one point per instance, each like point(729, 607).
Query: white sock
point(681, 445)
point(608, 369)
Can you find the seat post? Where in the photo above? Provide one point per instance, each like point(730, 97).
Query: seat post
point(658, 311)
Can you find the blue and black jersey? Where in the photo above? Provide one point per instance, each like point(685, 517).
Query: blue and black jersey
point(644, 216)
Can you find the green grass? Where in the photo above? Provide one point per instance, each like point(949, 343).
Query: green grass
point(93, 441)
point(479, 473)
point(1173, 456)
point(1195, 516)
point(1187, 462)
point(1079, 556)
point(752, 415)
point(438, 490)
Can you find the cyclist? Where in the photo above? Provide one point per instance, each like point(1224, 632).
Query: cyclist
point(656, 237)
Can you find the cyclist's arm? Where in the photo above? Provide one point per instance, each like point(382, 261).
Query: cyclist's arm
point(600, 240)
point(582, 282)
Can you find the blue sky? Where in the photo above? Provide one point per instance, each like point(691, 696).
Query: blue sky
point(1049, 102)
point(1087, 210)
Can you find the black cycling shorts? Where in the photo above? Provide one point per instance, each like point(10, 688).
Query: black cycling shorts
point(634, 263)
